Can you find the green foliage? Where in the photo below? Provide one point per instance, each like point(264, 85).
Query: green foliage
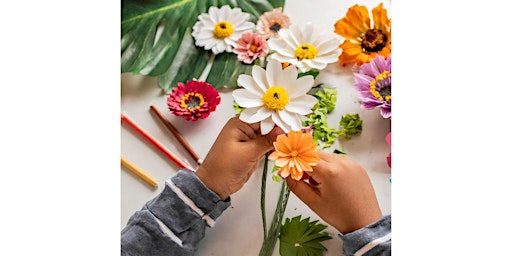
point(237, 108)
point(321, 130)
point(326, 99)
point(302, 237)
point(156, 41)
point(351, 125)
point(339, 151)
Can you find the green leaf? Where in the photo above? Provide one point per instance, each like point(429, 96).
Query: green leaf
point(302, 237)
point(156, 40)
point(351, 124)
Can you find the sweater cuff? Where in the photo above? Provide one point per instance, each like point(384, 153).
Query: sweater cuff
point(196, 202)
point(373, 239)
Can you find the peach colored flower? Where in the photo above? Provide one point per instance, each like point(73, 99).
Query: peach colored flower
point(271, 22)
point(294, 154)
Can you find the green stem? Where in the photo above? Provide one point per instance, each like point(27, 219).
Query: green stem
point(262, 199)
point(268, 244)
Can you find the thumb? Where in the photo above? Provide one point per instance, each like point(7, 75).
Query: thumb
point(266, 142)
point(305, 192)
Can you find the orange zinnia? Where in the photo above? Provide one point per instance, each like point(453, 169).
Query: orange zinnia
point(362, 42)
point(294, 154)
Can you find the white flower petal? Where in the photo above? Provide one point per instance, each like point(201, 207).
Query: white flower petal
point(214, 13)
point(281, 47)
point(204, 33)
point(250, 84)
point(260, 77)
point(273, 72)
point(253, 115)
point(287, 77)
point(224, 13)
point(246, 99)
point(266, 125)
point(290, 39)
point(290, 119)
point(307, 31)
point(325, 47)
point(279, 122)
point(301, 86)
point(302, 105)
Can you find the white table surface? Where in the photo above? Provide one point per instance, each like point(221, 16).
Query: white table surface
point(239, 231)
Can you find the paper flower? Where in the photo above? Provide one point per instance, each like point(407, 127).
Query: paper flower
point(274, 96)
point(388, 140)
point(193, 100)
point(363, 42)
point(271, 22)
point(294, 154)
point(250, 47)
point(374, 85)
point(306, 47)
point(219, 29)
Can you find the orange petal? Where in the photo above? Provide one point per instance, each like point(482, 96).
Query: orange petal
point(380, 18)
point(282, 144)
point(296, 175)
point(350, 52)
point(294, 138)
point(284, 171)
point(274, 155)
point(282, 162)
point(355, 23)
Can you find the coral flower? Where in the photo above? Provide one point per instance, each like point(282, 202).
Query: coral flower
point(219, 29)
point(374, 85)
point(193, 100)
point(271, 22)
point(307, 47)
point(250, 47)
point(294, 154)
point(275, 96)
point(362, 41)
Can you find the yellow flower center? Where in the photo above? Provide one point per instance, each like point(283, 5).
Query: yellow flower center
point(275, 98)
point(253, 48)
point(305, 51)
point(223, 29)
point(374, 40)
point(294, 153)
point(285, 64)
point(192, 101)
point(383, 93)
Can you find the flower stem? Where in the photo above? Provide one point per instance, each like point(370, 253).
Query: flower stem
point(262, 199)
point(268, 244)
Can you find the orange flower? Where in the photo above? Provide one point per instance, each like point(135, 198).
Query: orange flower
point(294, 154)
point(363, 42)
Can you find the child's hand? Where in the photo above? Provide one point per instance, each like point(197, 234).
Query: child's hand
point(234, 156)
point(344, 196)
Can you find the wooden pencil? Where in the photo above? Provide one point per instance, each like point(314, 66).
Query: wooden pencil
point(139, 172)
point(177, 135)
point(157, 144)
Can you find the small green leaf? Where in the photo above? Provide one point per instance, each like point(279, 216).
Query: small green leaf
point(351, 124)
point(302, 237)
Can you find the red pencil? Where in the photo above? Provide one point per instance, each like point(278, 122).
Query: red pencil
point(155, 143)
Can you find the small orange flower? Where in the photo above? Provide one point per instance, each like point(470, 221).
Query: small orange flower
point(363, 42)
point(294, 154)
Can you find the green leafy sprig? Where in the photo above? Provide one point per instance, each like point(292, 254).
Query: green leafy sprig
point(351, 124)
point(302, 237)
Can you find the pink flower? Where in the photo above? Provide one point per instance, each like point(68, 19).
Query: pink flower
point(250, 47)
point(388, 140)
point(193, 100)
point(271, 22)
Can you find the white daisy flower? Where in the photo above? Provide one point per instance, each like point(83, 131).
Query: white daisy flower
point(275, 96)
point(306, 47)
point(219, 29)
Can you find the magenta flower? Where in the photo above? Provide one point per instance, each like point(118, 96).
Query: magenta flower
point(250, 47)
point(374, 85)
point(193, 100)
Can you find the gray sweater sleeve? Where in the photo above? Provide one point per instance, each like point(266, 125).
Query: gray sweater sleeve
point(372, 240)
point(173, 222)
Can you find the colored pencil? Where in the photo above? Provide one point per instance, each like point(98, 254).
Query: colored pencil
point(139, 172)
point(155, 143)
point(177, 135)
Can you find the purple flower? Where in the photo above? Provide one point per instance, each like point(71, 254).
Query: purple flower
point(374, 85)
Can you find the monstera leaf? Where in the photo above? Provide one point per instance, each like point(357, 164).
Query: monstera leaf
point(156, 40)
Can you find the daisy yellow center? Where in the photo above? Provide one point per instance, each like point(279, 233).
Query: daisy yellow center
point(305, 51)
point(381, 92)
point(223, 29)
point(192, 101)
point(374, 40)
point(275, 98)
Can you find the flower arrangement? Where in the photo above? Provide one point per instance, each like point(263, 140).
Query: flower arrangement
point(271, 63)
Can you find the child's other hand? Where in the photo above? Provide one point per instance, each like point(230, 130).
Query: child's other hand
point(234, 156)
point(344, 196)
